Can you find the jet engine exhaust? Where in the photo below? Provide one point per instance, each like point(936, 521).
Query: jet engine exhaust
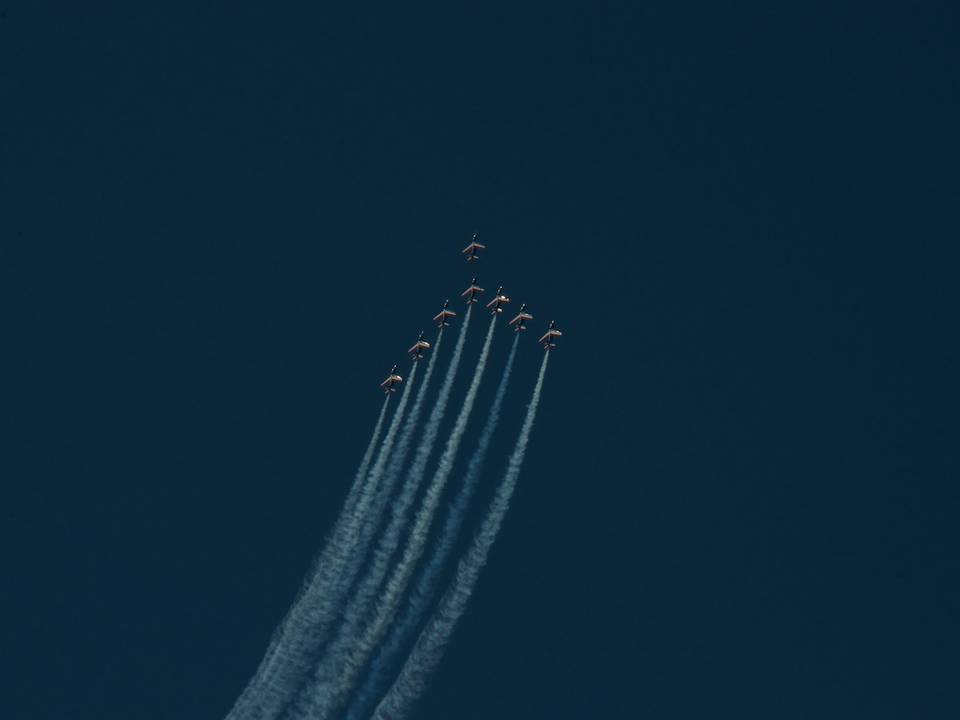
point(433, 640)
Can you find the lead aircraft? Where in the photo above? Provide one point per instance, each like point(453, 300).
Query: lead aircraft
point(472, 250)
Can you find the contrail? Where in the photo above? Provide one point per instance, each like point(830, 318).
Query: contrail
point(306, 627)
point(385, 483)
point(366, 592)
point(367, 456)
point(432, 643)
point(241, 706)
point(422, 595)
point(337, 673)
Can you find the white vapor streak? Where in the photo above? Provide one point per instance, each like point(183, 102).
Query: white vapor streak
point(386, 481)
point(367, 458)
point(432, 643)
point(334, 678)
point(362, 600)
point(241, 706)
point(423, 593)
point(307, 626)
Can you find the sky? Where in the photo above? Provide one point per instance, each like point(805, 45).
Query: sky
point(221, 226)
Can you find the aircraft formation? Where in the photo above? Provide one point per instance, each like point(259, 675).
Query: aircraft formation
point(471, 296)
point(377, 611)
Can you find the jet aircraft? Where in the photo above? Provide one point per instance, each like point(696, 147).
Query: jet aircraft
point(441, 318)
point(547, 339)
point(416, 352)
point(392, 379)
point(473, 248)
point(520, 319)
point(471, 292)
point(494, 306)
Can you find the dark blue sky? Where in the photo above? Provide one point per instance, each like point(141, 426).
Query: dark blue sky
point(220, 227)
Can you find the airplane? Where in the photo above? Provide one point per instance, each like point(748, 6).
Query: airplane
point(441, 318)
point(473, 248)
point(547, 339)
point(471, 292)
point(418, 347)
point(521, 319)
point(500, 299)
point(392, 379)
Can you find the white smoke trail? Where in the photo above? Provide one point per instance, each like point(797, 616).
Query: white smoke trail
point(367, 458)
point(336, 674)
point(385, 484)
point(406, 435)
point(432, 643)
point(306, 628)
point(423, 593)
point(366, 592)
point(241, 706)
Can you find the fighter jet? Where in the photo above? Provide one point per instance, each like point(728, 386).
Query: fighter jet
point(471, 292)
point(500, 299)
point(520, 319)
point(418, 347)
point(473, 248)
point(392, 379)
point(547, 339)
point(441, 318)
